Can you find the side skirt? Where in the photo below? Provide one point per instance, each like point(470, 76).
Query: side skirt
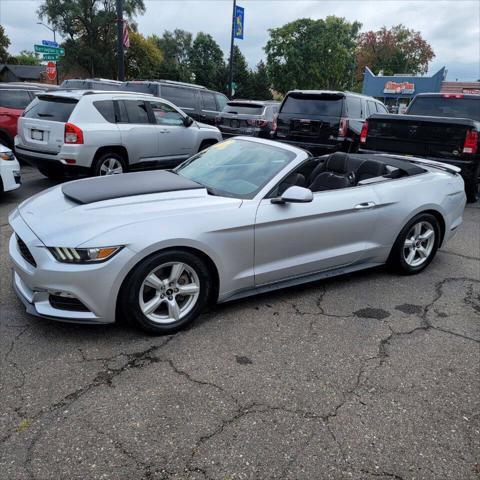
point(290, 282)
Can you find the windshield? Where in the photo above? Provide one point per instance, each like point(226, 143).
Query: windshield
point(446, 107)
point(328, 105)
point(236, 168)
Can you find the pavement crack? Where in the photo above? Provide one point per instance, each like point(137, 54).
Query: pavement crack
point(382, 474)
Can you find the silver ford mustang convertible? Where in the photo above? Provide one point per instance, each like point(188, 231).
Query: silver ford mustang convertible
point(242, 217)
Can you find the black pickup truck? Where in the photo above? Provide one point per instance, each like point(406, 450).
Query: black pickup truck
point(441, 127)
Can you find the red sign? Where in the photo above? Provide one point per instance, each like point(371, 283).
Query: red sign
point(403, 87)
point(51, 70)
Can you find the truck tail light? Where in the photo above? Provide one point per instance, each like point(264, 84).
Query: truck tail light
point(73, 134)
point(343, 127)
point(471, 142)
point(364, 133)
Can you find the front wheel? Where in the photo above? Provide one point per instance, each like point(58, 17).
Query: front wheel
point(416, 245)
point(166, 291)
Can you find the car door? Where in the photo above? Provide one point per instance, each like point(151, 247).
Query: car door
point(175, 140)
point(139, 134)
point(209, 107)
point(295, 239)
point(184, 98)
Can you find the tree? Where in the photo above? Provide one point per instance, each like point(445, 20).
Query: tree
point(398, 50)
point(143, 59)
point(259, 83)
point(312, 54)
point(176, 47)
point(206, 62)
point(89, 27)
point(26, 57)
point(4, 44)
point(241, 75)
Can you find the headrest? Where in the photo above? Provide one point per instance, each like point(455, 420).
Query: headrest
point(337, 162)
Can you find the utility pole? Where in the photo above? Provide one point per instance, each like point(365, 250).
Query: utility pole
point(230, 78)
point(121, 66)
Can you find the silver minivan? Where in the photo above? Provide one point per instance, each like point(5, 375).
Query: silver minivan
point(106, 133)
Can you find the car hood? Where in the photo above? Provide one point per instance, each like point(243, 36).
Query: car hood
point(58, 219)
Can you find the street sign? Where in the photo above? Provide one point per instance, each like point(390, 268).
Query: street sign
point(51, 56)
point(49, 43)
point(238, 22)
point(51, 71)
point(45, 49)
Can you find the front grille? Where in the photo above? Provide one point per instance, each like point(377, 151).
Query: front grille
point(25, 252)
point(67, 303)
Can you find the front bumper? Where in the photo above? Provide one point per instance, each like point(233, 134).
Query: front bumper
point(10, 174)
point(92, 285)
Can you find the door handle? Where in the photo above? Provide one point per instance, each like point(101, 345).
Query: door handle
point(164, 131)
point(364, 205)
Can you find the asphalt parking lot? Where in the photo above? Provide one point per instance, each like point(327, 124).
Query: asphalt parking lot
point(370, 376)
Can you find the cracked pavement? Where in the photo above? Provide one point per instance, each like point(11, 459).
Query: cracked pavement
point(369, 376)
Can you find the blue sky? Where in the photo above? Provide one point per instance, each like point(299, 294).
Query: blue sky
point(452, 27)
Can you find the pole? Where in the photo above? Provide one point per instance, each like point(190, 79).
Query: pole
point(56, 63)
point(230, 79)
point(121, 66)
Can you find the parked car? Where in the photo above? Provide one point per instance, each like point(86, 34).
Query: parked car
point(91, 83)
point(100, 133)
point(197, 101)
point(247, 117)
point(322, 121)
point(245, 216)
point(443, 127)
point(9, 170)
point(14, 97)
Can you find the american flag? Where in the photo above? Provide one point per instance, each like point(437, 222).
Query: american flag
point(126, 39)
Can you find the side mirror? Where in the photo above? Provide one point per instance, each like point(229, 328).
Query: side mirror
point(294, 194)
point(187, 121)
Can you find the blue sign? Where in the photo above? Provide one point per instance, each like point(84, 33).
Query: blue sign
point(238, 22)
point(48, 43)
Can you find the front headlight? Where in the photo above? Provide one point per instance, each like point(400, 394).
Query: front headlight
point(8, 155)
point(83, 255)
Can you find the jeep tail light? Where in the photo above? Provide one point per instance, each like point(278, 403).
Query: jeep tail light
point(471, 142)
point(343, 127)
point(73, 134)
point(364, 133)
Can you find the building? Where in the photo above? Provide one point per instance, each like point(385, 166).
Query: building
point(22, 73)
point(396, 91)
point(461, 87)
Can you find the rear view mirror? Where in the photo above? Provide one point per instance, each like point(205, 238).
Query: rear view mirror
point(187, 121)
point(294, 194)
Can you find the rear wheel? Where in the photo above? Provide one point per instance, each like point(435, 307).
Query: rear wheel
point(416, 245)
point(109, 163)
point(472, 187)
point(166, 291)
point(52, 173)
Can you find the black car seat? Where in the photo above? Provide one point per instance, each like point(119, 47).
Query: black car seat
point(335, 174)
point(294, 179)
point(370, 169)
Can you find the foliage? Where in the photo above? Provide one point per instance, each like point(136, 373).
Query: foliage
point(89, 27)
point(312, 54)
point(143, 59)
point(4, 44)
point(26, 57)
point(260, 83)
point(397, 50)
point(176, 47)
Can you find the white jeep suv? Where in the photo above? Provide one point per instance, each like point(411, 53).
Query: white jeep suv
point(105, 133)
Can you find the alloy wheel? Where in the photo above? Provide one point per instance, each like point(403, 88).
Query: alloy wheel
point(419, 244)
point(169, 292)
point(111, 166)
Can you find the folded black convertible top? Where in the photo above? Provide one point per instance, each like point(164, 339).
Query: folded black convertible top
point(116, 186)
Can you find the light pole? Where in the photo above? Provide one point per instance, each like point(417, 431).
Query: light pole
point(54, 39)
point(230, 73)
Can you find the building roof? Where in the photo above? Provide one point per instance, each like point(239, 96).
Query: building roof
point(25, 72)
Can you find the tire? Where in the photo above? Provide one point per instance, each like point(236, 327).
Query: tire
point(472, 186)
point(109, 163)
point(171, 310)
point(408, 260)
point(52, 173)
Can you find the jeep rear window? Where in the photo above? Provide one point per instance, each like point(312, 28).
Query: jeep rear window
point(55, 109)
point(244, 108)
point(446, 107)
point(18, 99)
point(322, 105)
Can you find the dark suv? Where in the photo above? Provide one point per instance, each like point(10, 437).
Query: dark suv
point(322, 121)
point(91, 84)
point(196, 101)
point(14, 97)
point(247, 117)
